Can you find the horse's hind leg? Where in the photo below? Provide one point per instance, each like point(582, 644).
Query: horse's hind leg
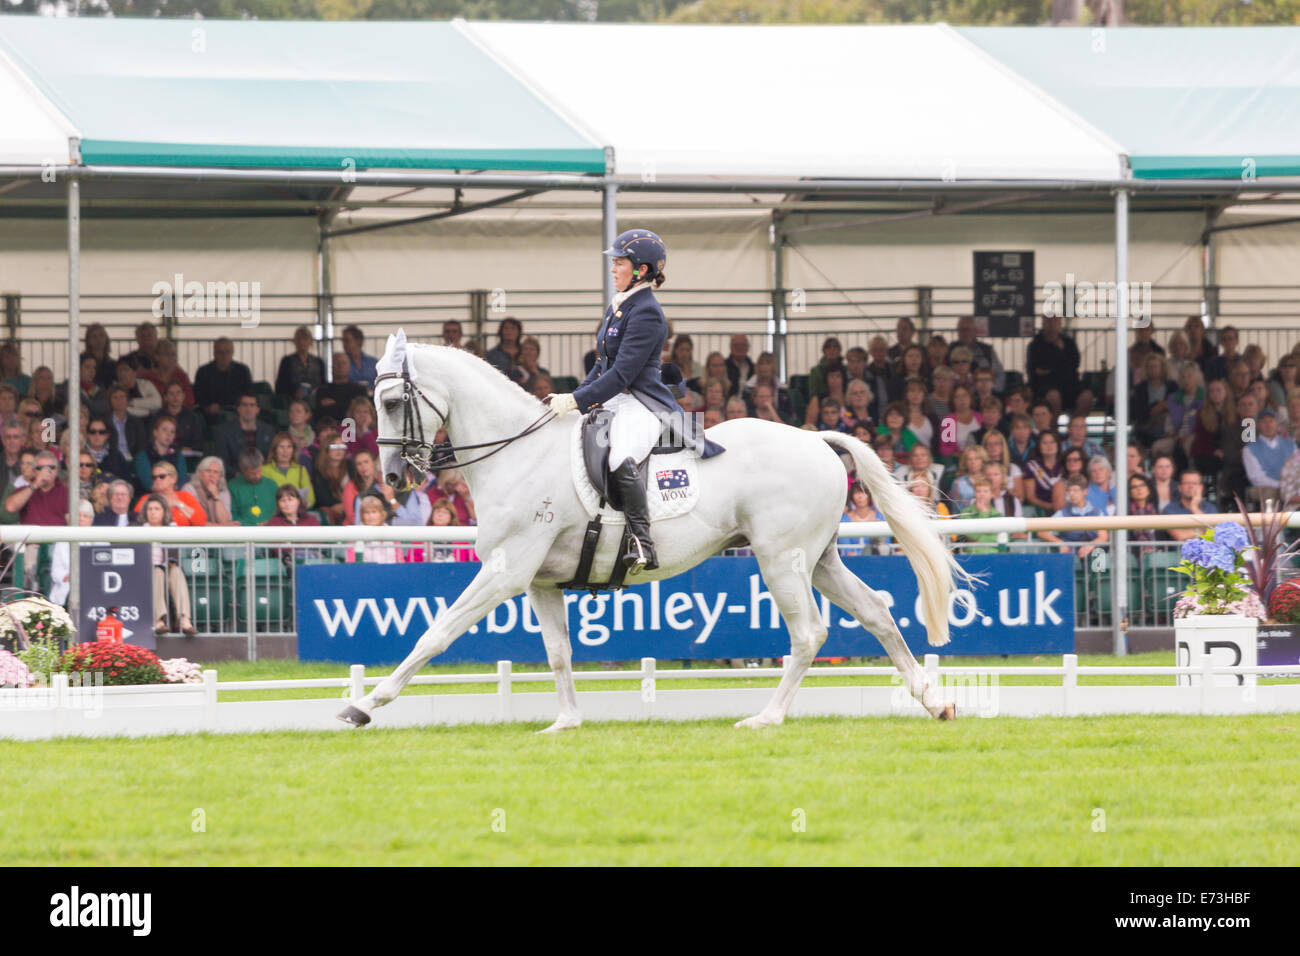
point(842, 587)
point(787, 579)
point(548, 604)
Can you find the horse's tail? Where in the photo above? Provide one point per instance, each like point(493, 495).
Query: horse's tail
point(909, 519)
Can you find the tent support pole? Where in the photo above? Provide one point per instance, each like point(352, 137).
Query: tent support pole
point(1119, 566)
point(1209, 270)
point(74, 392)
point(776, 237)
point(325, 302)
point(609, 229)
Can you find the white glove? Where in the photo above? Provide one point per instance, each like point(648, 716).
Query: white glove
point(562, 404)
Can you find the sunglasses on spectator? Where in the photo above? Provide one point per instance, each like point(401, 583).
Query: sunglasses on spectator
point(46, 467)
point(161, 474)
point(87, 464)
point(97, 431)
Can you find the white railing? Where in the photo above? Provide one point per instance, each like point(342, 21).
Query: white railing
point(66, 710)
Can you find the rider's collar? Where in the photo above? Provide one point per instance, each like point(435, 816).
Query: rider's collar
point(621, 297)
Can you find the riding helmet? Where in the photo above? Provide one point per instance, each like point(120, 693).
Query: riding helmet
point(642, 247)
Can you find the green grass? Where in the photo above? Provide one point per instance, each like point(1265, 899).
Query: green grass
point(1197, 791)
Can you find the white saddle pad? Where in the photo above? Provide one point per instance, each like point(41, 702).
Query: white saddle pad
point(672, 483)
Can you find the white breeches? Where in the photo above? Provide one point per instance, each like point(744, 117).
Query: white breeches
point(634, 430)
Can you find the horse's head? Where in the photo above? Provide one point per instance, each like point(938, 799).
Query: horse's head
point(410, 414)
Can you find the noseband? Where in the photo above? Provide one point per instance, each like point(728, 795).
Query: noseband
point(423, 455)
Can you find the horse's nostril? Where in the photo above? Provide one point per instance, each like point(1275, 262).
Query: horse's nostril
point(392, 479)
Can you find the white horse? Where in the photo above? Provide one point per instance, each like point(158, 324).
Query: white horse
point(778, 490)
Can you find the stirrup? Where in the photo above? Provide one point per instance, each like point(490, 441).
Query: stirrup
point(634, 558)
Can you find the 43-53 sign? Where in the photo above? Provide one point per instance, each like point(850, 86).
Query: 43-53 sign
point(118, 576)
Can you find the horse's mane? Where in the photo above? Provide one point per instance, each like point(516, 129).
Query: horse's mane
point(470, 357)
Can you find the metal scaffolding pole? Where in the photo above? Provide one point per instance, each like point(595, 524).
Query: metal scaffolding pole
point(609, 230)
point(1119, 566)
point(325, 303)
point(776, 236)
point(74, 391)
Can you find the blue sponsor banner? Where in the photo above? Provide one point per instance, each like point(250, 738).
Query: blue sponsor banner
point(373, 614)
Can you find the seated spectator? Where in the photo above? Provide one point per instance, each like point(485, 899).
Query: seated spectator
point(831, 358)
point(911, 366)
point(861, 508)
point(740, 367)
point(443, 515)
point(830, 418)
point(11, 368)
point(453, 487)
point(927, 492)
point(1164, 485)
point(1212, 419)
point(715, 395)
point(45, 394)
point(922, 422)
point(1267, 454)
point(127, 433)
point(980, 506)
point(1052, 364)
point(991, 416)
point(93, 395)
point(858, 402)
point(167, 576)
point(118, 514)
point(1149, 403)
point(959, 360)
point(883, 446)
point(1044, 419)
point(330, 475)
point(969, 468)
point(451, 333)
point(1142, 503)
point(146, 339)
point(1076, 491)
point(161, 448)
point(765, 374)
point(189, 424)
point(710, 417)
point(503, 356)
point(185, 510)
point(61, 560)
point(333, 398)
point(1022, 446)
point(374, 514)
point(248, 430)
point(1043, 471)
point(282, 467)
point(222, 382)
point(942, 382)
point(143, 398)
point(736, 408)
point(290, 513)
point(1005, 501)
point(683, 353)
point(936, 354)
point(1101, 487)
point(920, 462)
point(252, 494)
point(715, 370)
point(1018, 402)
point(763, 404)
point(982, 354)
point(108, 460)
point(13, 436)
point(543, 385)
point(166, 373)
point(1284, 378)
point(895, 418)
point(905, 333)
point(1135, 459)
point(359, 428)
point(9, 399)
point(530, 351)
point(365, 481)
point(98, 347)
point(1289, 485)
point(45, 500)
point(1076, 436)
point(983, 388)
point(300, 373)
point(90, 474)
point(208, 488)
point(1076, 463)
point(957, 430)
point(1190, 501)
point(40, 435)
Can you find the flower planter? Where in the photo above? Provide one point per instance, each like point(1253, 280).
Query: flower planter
point(1229, 639)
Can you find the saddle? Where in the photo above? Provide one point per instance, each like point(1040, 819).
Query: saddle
point(593, 451)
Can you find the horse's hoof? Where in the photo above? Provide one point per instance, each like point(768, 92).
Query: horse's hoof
point(354, 716)
point(757, 722)
point(949, 712)
point(563, 723)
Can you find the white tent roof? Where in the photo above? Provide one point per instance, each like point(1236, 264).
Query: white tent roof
point(886, 102)
point(32, 131)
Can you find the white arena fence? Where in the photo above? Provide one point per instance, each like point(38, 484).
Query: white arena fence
point(96, 711)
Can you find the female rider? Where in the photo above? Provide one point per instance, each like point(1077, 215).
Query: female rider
point(626, 380)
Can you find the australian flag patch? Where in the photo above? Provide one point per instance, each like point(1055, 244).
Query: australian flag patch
point(673, 478)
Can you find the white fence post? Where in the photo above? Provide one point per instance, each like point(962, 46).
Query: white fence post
point(1207, 681)
point(648, 687)
point(357, 676)
point(504, 669)
point(209, 699)
point(60, 684)
point(1069, 683)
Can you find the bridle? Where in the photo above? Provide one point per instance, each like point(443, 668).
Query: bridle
point(423, 455)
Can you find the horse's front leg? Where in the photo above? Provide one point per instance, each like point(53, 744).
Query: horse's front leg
point(490, 587)
point(548, 604)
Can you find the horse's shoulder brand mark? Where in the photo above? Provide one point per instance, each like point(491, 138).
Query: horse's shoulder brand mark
point(546, 515)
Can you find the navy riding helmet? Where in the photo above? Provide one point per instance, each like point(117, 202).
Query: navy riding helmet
point(642, 247)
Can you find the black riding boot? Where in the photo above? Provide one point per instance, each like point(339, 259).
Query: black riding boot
point(631, 485)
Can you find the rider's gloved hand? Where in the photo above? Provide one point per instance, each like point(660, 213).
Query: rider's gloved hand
point(562, 404)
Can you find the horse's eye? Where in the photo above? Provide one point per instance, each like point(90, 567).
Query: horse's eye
point(391, 404)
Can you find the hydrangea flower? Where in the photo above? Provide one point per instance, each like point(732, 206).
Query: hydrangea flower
point(1231, 535)
point(13, 672)
point(1207, 554)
